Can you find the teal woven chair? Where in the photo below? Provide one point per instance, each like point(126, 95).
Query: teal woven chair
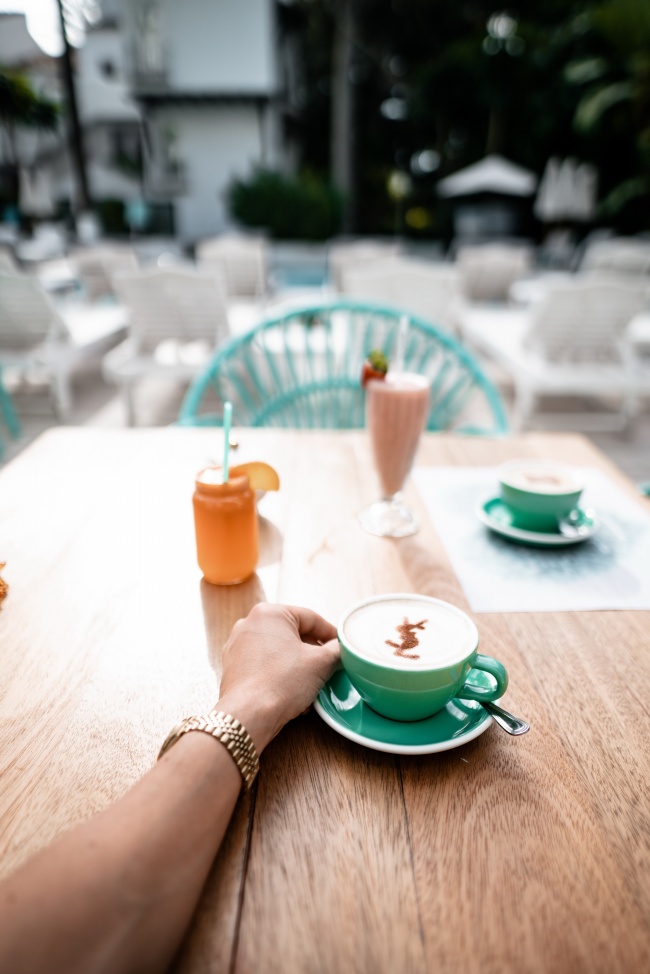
point(8, 414)
point(302, 369)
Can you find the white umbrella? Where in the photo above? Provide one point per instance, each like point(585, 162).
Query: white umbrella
point(494, 174)
point(546, 202)
point(567, 191)
point(585, 192)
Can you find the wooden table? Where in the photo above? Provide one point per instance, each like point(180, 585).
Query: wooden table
point(526, 855)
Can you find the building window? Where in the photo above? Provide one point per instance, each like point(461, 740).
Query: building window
point(107, 69)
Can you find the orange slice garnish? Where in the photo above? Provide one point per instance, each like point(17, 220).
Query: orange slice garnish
point(261, 476)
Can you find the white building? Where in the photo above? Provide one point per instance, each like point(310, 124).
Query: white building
point(205, 75)
point(20, 53)
point(109, 118)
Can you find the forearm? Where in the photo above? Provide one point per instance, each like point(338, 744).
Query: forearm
point(117, 893)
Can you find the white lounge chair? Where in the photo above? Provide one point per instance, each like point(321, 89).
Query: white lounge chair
point(35, 335)
point(572, 343)
point(48, 243)
point(487, 271)
point(177, 317)
point(430, 291)
point(242, 262)
point(7, 259)
point(617, 255)
point(343, 255)
point(97, 267)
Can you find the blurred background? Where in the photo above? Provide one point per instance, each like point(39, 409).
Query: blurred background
point(310, 118)
point(170, 173)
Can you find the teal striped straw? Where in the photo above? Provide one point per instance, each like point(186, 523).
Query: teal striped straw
point(227, 423)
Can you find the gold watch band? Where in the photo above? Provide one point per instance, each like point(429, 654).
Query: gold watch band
point(232, 734)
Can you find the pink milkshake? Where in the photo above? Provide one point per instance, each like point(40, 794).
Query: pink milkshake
point(396, 413)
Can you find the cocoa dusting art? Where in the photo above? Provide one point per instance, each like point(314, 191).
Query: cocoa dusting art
point(543, 478)
point(409, 639)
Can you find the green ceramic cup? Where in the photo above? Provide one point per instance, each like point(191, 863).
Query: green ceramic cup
point(539, 493)
point(405, 690)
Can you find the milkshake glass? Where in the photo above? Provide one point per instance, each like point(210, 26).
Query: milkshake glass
point(396, 413)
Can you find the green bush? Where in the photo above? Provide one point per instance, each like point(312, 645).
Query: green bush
point(290, 208)
point(111, 215)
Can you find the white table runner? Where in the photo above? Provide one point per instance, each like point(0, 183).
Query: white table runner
point(611, 570)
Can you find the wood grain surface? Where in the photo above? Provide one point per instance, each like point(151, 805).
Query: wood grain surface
point(528, 855)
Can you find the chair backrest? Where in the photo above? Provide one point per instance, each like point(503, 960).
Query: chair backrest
point(617, 255)
point(488, 270)
point(302, 369)
point(243, 262)
point(27, 316)
point(172, 303)
point(430, 291)
point(585, 319)
point(344, 255)
point(99, 266)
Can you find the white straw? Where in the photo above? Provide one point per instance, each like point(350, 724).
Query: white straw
point(400, 348)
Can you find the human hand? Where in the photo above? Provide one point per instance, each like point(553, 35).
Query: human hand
point(274, 664)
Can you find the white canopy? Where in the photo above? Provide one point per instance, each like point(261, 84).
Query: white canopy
point(494, 174)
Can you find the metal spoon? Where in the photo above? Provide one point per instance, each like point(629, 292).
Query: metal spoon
point(577, 523)
point(508, 722)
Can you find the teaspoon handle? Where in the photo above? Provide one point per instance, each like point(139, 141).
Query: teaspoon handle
point(511, 724)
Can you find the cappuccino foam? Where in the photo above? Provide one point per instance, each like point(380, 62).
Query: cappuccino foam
point(409, 634)
point(541, 478)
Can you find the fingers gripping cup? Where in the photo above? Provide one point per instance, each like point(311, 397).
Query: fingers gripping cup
point(409, 655)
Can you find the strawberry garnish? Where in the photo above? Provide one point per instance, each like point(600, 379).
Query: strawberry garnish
point(374, 367)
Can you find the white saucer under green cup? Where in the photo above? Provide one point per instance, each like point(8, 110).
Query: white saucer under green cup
point(459, 722)
point(539, 493)
point(408, 656)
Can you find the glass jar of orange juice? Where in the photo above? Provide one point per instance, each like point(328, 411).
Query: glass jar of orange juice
point(225, 519)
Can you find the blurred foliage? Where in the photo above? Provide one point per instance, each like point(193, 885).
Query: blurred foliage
point(112, 216)
point(128, 163)
point(20, 105)
point(592, 108)
point(302, 207)
point(615, 106)
point(558, 78)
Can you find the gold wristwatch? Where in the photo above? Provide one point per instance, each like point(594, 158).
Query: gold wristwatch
point(232, 734)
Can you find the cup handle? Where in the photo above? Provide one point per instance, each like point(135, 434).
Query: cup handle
point(495, 669)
